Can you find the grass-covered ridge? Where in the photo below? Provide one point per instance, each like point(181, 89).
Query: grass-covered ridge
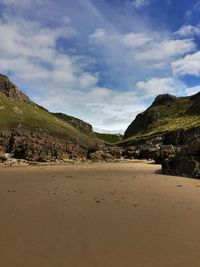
point(109, 138)
point(164, 117)
point(22, 115)
point(78, 124)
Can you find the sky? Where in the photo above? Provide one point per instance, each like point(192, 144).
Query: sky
point(103, 61)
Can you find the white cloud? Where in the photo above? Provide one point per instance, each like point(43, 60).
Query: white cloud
point(99, 35)
point(188, 31)
point(140, 3)
point(106, 108)
point(88, 80)
point(166, 50)
point(192, 90)
point(155, 86)
point(189, 65)
point(28, 39)
point(63, 82)
point(143, 51)
point(133, 40)
point(29, 51)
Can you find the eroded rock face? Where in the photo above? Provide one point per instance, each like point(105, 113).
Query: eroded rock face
point(41, 147)
point(157, 152)
point(105, 153)
point(182, 165)
point(186, 161)
point(8, 89)
point(149, 152)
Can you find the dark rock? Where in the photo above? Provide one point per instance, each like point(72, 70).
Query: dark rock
point(182, 165)
point(165, 98)
point(195, 107)
point(8, 89)
point(142, 122)
point(186, 161)
point(41, 147)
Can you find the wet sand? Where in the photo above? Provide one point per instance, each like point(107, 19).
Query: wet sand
point(98, 215)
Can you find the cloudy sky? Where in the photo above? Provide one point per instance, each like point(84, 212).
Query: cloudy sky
point(102, 61)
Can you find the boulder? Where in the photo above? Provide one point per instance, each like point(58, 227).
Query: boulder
point(185, 161)
point(182, 165)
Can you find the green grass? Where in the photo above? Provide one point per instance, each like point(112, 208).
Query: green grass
point(14, 114)
point(78, 124)
point(109, 138)
point(173, 116)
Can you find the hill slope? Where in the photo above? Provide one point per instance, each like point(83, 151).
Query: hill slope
point(109, 138)
point(29, 131)
point(78, 124)
point(87, 129)
point(166, 114)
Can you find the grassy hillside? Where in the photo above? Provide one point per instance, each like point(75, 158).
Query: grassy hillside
point(78, 124)
point(22, 115)
point(165, 117)
point(109, 138)
point(86, 129)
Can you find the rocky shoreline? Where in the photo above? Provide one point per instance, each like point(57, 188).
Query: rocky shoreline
point(178, 152)
point(27, 147)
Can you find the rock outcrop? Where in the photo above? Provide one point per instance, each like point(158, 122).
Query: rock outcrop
point(186, 160)
point(40, 147)
point(8, 89)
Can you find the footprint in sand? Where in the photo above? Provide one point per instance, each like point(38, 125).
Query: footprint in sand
point(69, 176)
point(11, 191)
point(179, 185)
point(98, 200)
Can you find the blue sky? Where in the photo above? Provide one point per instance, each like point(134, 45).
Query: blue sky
point(102, 61)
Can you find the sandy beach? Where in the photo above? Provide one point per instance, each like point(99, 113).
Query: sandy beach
point(98, 215)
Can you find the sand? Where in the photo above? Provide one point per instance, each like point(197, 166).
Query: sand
point(102, 214)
